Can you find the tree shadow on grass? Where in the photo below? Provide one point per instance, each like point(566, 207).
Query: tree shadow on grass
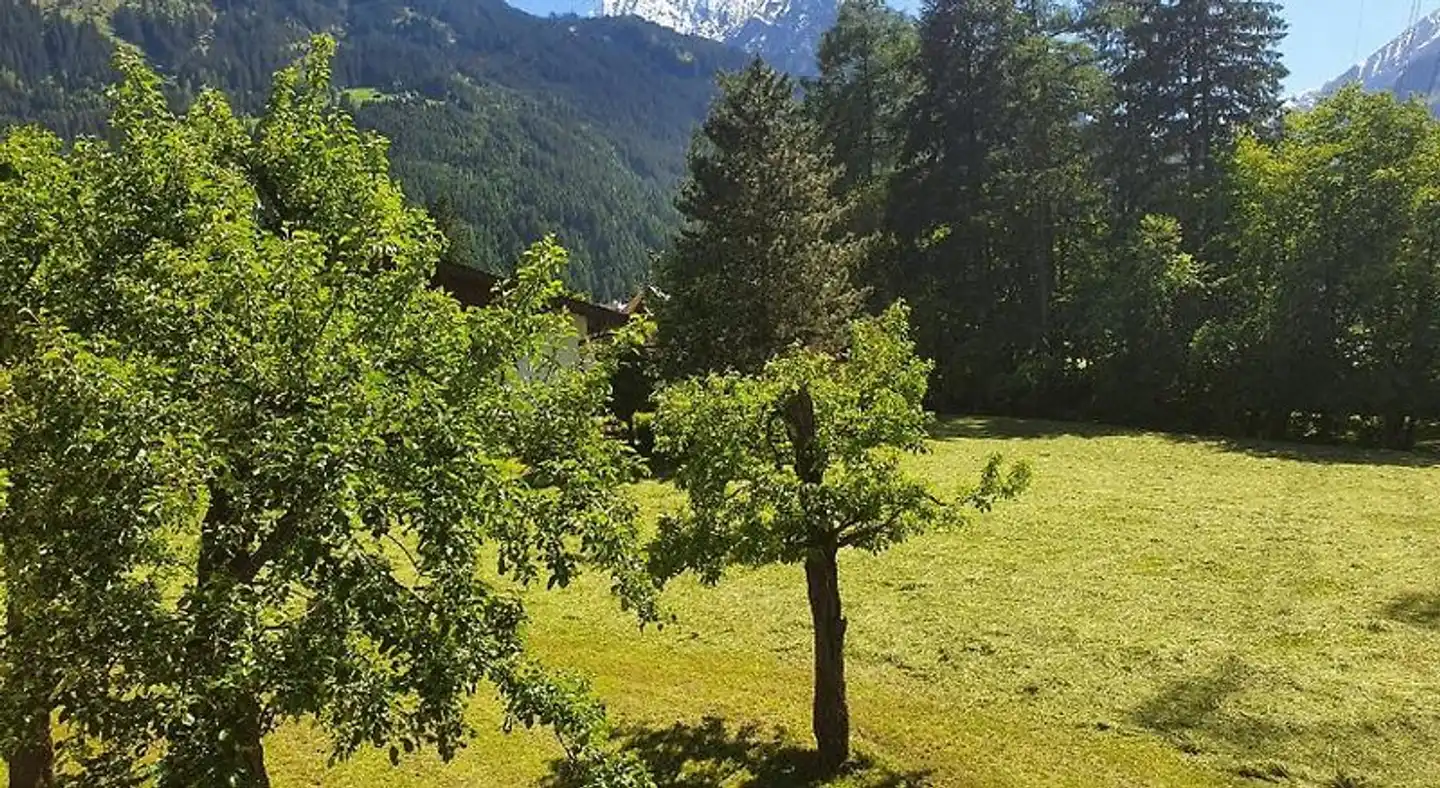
point(1192, 714)
point(1419, 609)
point(1319, 453)
point(1192, 702)
point(1193, 705)
point(1005, 428)
point(711, 754)
point(1000, 428)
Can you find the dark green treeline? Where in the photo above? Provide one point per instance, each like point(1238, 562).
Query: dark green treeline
point(1103, 211)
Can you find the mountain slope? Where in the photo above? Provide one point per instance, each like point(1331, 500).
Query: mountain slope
point(524, 125)
point(1409, 65)
point(784, 32)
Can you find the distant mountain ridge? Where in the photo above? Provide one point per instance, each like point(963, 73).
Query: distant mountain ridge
point(1408, 66)
point(523, 126)
point(786, 33)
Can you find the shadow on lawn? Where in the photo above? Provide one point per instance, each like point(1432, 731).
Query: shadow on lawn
point(1001, 428)
point(1325, 454)
point(710, 754)
point(1191, 713)
point(1192, 702)
point(1194, 705)
point(1005, 428)
point(1420, 609)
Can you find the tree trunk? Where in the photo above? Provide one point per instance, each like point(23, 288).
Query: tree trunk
point(252, 748)
point(32, 763)
point(1277, 427)
point(831, 712)
point(1398, 432)
point(238, 753)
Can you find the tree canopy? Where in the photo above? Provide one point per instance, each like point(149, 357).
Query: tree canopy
point(794, 463)
point(257, 463)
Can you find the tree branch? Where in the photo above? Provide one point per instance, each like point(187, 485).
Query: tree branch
point(246, 566)
point(410, 556)
point(875, 528)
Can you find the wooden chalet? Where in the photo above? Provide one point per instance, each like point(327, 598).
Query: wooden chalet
point(473, 287)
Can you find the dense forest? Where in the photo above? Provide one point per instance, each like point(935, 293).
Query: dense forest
point(1095, 209)
point(519, 126)
point(1098, 210)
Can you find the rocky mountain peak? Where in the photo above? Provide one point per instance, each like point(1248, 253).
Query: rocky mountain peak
point(784, 32)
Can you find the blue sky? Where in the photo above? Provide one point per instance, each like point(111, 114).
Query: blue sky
point(1326, 36)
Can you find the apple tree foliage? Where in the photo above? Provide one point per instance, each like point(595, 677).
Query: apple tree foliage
point(260, 470)
point(800, 460)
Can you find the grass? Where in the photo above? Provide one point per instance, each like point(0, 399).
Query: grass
point(365, 95)
point(1156, 611)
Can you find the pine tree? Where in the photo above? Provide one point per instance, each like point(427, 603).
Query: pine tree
point(867, 81)
point(764, 261)
point(1189, 76)
point(996, 194)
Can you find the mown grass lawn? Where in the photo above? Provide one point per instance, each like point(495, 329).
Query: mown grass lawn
point(1156, 611)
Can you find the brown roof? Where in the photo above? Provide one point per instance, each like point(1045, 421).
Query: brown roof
point(469, 286)
point(474, 287)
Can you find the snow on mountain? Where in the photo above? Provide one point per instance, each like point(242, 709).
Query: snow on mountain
point(784, 32)
point(1408, 66)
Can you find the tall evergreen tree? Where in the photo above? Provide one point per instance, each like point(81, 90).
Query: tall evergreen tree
point(1189, 76)
point(765, 259)
point(867, 81)
point(996, 194)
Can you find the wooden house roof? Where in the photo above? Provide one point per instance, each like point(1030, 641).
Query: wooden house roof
point(474, 287)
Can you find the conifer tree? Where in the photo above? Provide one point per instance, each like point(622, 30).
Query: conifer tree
point(1189, 75)
point(996, 193)
point(867, 81)
point(764, 261)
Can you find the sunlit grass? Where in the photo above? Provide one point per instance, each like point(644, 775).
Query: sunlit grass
point(365, 95)
point(1155, 611)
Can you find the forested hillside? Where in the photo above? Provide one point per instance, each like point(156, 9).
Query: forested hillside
point(521, 125)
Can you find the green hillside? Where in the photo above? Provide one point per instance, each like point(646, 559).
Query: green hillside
point(525, 125)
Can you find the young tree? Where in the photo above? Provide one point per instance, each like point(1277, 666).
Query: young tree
point(798, 461)
point(1128, 307)
point(255, 457)
point(764, 260)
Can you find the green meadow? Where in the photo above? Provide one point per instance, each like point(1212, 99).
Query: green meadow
point(1156, 610)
